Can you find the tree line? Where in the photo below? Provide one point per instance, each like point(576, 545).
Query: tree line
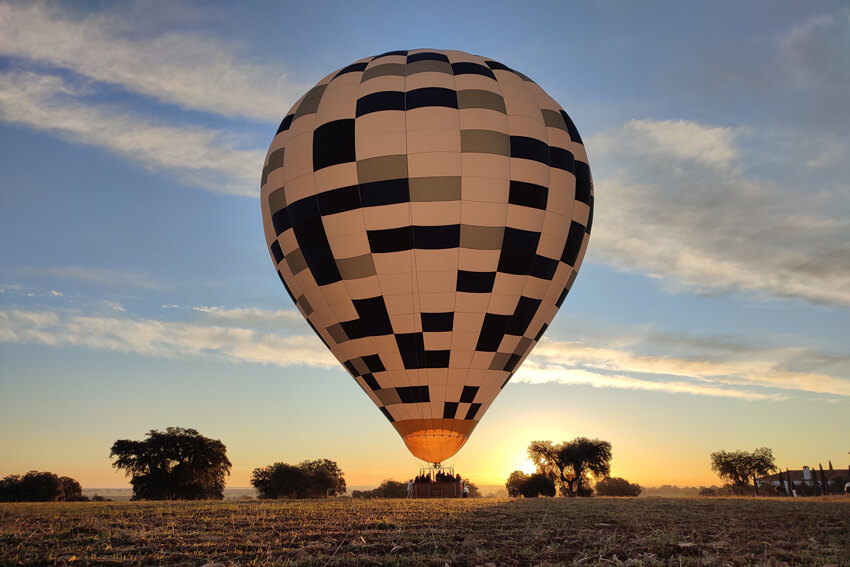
point(36, 486)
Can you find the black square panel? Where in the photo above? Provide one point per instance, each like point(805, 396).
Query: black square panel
point(583, 183)
point(373, 316)
point(492, 332)
point(573, 245)
point(431, 96)
point(384, 100)
point(353, 329)
point(277, 253)
point(562, 159)
point(333, 143)
point(518, 251)
point(390, 239)
point(468, 394)
point(529, 148)
point(437, 322)
point(475, 282)
point(373, 363)
point(473, 409)
point(339, 200)
point(436, 237)
point(388, 192)
point(523, 314)
point(427, 56)
point(528, 195)
point(371, 382)
point(571, 128)
point(413, 394)
point(469, 68)
point(449, 410)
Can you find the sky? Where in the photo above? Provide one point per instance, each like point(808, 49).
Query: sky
point(712, 310)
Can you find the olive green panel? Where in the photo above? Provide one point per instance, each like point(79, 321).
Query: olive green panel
point(428, 66)
point(553, 119)
point(481, 237)
point(336, 333)
point(475, 98)
point(435, 189)
point(388, 396)
point(277, 200)
point(296, 261)
point(485, 142)
point(382, 168)
point(356, 268)
point(310, 104)
point(393, 69)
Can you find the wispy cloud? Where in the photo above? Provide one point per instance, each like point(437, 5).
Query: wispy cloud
point(675, 202)
point(199, 156)
point(248, 314)
point(730, 370)
point(168, 339)
point(121, 278)
point(712, 367)
point(188, 69)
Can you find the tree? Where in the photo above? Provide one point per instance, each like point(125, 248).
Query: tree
point(474, 491)
point(739, 467)
point(388, 489)
point(325, 478)
point(514, 483)
point(175, 464)
point(617, 486)
point(280, 480)
point(530, 486)
point(38, 486)
point(570, 464)
point(308, 479)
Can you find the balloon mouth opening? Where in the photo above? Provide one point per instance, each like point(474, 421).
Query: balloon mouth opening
point(434, 440)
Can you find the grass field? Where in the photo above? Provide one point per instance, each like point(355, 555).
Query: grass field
point(592, 531)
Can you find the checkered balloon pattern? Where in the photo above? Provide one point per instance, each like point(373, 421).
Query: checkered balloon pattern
point(427, 211)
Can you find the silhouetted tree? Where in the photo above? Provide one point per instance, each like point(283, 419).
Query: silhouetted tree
point(388, 489)
point(530, 486)
point(325, 478)
point(309, 479)
point(617, 486)
point(175, 464)
point(739, 467)
point(280, 480)
point(36, 486)
point(570, 463)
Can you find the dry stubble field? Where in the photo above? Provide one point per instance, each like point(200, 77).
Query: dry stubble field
point(592, 531)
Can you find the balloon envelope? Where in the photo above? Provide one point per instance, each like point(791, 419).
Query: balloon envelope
point(427, 211)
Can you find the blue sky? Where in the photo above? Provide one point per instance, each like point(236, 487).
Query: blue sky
point(712, 310)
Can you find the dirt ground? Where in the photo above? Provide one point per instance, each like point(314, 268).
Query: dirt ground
point(487, 532)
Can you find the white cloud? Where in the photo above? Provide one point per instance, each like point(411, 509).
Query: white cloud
point(248, 314)
point(694, 219)
point(55, 293)
point(712, 367)
point(729, 370)
point(162, 339)
point(673, 141)
point(180, 67)
point(198, 156)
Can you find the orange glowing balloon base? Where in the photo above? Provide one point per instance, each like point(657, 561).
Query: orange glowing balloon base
point(434, 440)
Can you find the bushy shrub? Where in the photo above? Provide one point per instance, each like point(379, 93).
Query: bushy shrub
point(616, 486)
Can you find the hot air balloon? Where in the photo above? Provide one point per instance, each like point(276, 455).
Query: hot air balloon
point(427, 211)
